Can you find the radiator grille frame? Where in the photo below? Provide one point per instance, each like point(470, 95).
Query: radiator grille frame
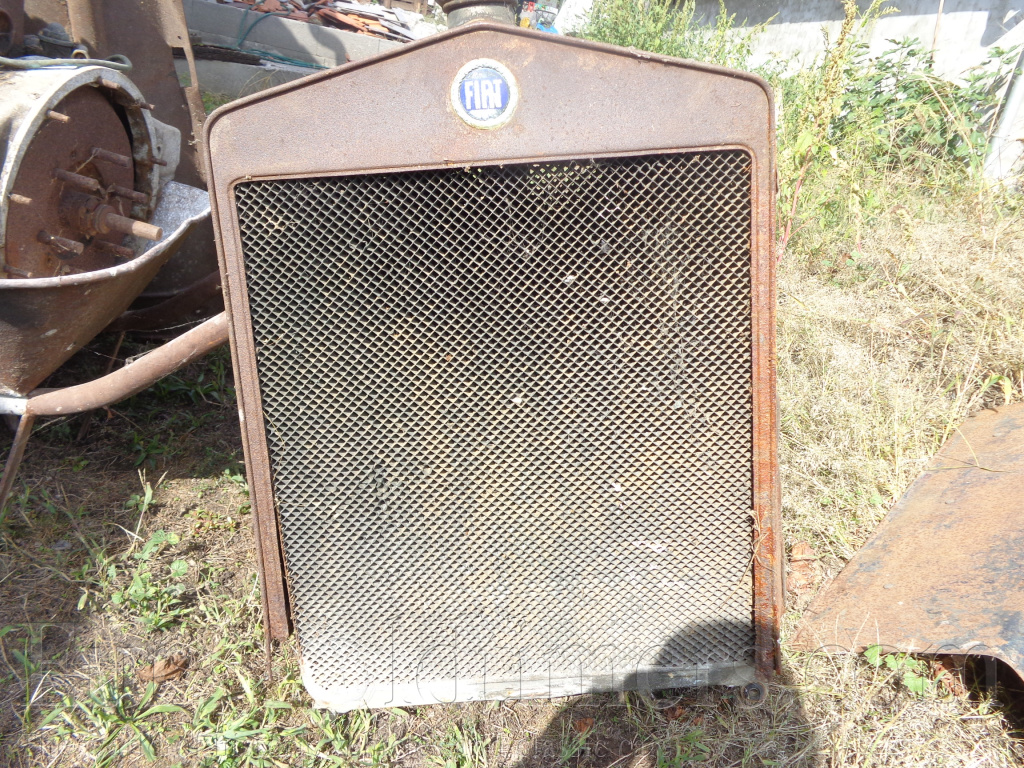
point(753, 137)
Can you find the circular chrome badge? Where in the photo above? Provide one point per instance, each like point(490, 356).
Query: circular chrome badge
point(484, 94)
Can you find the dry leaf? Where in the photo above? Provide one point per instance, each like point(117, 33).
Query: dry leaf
point(582, 725)
point(674, 712)
point(949, 676)
point(804, 569)
point(170, 668)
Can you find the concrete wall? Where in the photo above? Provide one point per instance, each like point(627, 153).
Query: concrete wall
point(963, 35)
point(966, 30)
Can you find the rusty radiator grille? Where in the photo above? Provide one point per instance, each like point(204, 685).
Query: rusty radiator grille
point(509, 419)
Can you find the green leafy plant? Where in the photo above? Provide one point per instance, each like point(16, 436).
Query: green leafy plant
point(236, 476)
point(689, 748)
point(148, 449)
point(243, 734)
point(913, 672)
point(573, 742)
point(27, 668)
point(903, 112)
point(210, 384)
point(819, 103)
point(156, 542)
point(856, 122)
point(110, 716)
point(158, 604)
point(141, 502)
point(346, 740)
point(461, 747)
point(671, 29)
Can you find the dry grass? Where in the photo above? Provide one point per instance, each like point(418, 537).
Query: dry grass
point(878, 359)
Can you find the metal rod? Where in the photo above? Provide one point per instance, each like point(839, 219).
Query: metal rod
point(135, 376)
point(113, 387)
point(77, 180)
point(131, 227)
point(70, 246)
point(112, 157)
point(120, 250)
point(130, 194)
point(14, 457)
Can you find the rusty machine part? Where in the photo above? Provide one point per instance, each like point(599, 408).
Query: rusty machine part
point(146, 33)
point(506, 378)
point(74, 190)
point(35, 332)
point(78, 186)
point(944, 572)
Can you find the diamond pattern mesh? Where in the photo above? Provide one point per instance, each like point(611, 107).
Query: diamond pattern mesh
point(508, 412)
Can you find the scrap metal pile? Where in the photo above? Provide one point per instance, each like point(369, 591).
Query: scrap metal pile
point(360, 18)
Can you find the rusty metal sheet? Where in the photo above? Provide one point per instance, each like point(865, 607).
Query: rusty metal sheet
point(574, 109)
point(944, 572)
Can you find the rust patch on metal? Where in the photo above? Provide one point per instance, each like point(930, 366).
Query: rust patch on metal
point(944, 572)
point(59, 172)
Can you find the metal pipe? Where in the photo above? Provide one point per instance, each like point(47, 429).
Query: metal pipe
point(134, 377)
point(112, 221)
point(85, 183)
point(461, 12)
point(112, 157)
point(65, 245)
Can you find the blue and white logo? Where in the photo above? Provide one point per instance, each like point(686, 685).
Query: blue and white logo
point(484, 94)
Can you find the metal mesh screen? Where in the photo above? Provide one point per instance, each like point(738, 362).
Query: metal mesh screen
point(508, 412)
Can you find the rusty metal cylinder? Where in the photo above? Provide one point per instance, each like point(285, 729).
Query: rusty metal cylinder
point(461, 12)
point(116, 223)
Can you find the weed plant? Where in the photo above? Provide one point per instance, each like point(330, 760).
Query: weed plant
point(671, 29)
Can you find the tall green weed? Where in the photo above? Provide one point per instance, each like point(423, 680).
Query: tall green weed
point(904, 113)
point(670, 28)
point(856, 131)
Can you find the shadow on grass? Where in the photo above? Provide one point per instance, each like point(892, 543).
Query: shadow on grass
point(649, 722)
